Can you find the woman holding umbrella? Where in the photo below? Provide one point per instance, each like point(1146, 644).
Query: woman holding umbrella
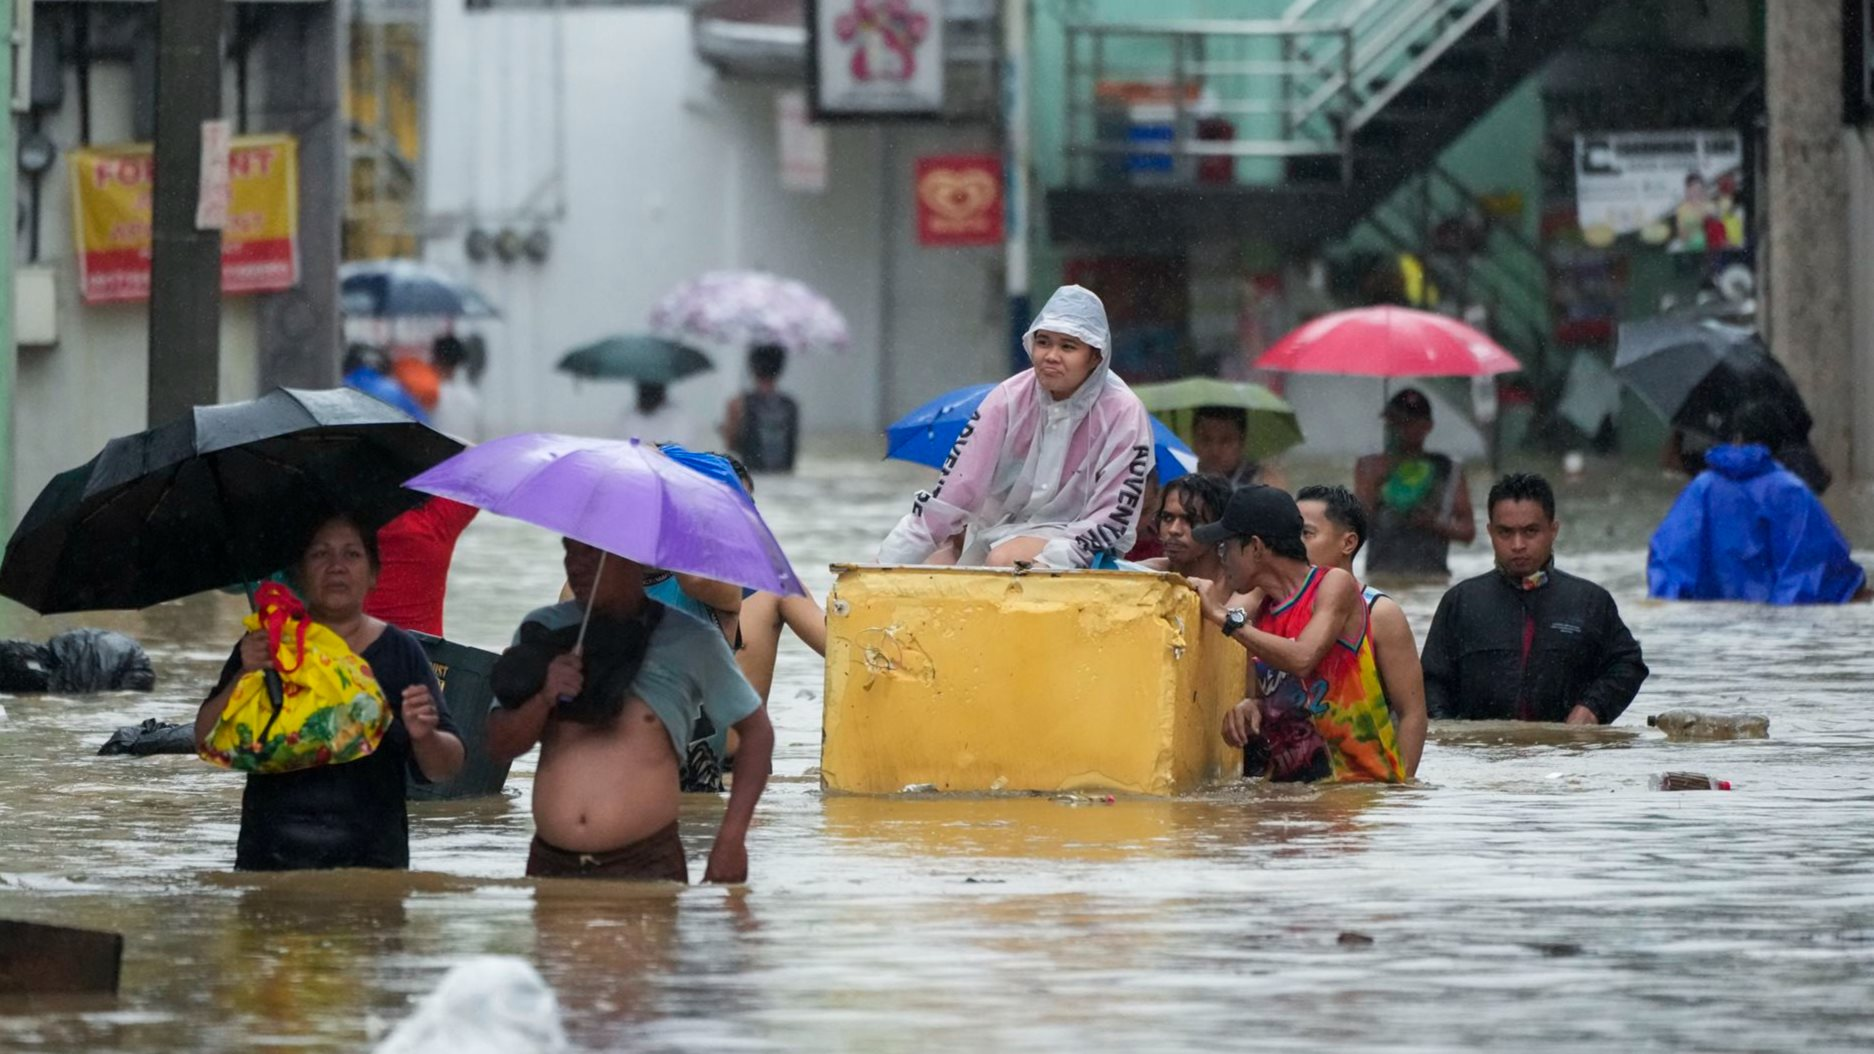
point(1052, 470)
point(349, 815)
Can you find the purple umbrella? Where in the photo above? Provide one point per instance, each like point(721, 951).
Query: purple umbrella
point(623, 497)
point(736, 310)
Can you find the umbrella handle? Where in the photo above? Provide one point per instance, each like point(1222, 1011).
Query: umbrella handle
point(579, 645)
point(565, 699)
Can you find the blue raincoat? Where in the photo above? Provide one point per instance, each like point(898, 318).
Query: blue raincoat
point(385, 389)
point(1748, 529)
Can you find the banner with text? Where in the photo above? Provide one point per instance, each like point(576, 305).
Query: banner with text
point(1677, 189)
point(111, 207)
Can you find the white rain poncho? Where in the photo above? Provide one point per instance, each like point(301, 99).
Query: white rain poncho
point(1071, 471)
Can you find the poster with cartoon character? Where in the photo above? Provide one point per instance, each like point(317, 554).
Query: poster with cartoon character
point(877, 58)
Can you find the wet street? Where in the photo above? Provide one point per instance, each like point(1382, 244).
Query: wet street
point(1533, 893)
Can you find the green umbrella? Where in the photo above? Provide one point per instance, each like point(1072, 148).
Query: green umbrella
point(1272, 425)
point(647, 360)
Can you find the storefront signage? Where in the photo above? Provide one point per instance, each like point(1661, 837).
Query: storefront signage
point(876, 58)
point(1677, 189)
point(111, 206)
point(959, 200)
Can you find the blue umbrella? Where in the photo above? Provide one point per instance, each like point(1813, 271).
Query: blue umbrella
point(925, 435)
point(407, 289)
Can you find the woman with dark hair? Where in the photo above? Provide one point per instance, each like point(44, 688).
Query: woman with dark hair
point(349, 815)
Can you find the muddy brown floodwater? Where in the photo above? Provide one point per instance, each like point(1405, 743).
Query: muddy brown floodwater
point(1531, 894)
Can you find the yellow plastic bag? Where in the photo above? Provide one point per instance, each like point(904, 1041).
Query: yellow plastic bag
point(330, 708)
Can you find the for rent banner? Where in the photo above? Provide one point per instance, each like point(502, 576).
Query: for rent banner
point(111, 205)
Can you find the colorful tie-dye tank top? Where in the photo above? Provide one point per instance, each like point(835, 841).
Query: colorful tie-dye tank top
point(1335, 723)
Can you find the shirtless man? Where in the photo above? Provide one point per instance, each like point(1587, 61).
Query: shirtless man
point(1333, 528)
point(606, 797)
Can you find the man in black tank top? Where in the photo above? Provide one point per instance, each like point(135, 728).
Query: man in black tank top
point(763, 426)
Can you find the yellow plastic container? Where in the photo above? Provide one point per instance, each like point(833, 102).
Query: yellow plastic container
point(972, 679)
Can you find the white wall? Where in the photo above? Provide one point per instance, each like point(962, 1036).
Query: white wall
point(93, 385)
point(671, 171)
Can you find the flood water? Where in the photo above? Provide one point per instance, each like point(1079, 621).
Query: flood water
point(1532, 893)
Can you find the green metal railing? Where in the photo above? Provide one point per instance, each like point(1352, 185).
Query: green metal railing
point(1152, 101)
point(1471, 257)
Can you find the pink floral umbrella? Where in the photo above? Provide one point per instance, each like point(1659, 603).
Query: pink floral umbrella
point(736, 310)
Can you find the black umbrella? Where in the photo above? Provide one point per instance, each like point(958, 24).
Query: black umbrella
point(222, 496)
point(1696, 374)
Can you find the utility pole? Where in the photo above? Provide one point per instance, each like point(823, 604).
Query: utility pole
point(1015, 150)
point(1809, 264)
point(185, 262)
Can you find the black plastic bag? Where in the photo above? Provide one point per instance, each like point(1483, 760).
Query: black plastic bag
point(98, 660)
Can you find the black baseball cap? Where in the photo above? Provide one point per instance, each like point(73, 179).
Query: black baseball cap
point(1409, 405)
point(1255, 511)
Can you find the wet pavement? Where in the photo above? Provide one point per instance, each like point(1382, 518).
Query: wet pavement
point(1531, 894)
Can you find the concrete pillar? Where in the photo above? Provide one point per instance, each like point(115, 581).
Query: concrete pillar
point(302, 54)
point(1809, 264)
point(9, 351)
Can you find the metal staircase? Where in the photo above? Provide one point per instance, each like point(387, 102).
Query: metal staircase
point(1286, 130)
point(1472, 259)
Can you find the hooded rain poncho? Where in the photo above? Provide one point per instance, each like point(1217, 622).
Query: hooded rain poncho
point(1749, 529)
point(1071, 471)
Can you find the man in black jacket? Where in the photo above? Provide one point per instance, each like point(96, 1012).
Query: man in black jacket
point(1527, 642)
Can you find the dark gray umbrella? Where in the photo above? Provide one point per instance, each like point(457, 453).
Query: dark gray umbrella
point(407, 289)
point(1696, 373)
point(222, 496)
point(647, 360)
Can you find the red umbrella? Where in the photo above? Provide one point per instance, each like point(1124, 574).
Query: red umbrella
point(1388, 342)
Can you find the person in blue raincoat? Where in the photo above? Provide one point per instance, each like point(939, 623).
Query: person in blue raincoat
point(1749, 529)
point(367, 370)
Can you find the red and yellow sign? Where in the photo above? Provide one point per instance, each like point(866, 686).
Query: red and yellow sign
point(111, 206)
point(959, 200)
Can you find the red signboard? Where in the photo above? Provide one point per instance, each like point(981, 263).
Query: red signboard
point(959, 200)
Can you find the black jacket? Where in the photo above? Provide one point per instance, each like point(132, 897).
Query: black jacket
point(1579, 652)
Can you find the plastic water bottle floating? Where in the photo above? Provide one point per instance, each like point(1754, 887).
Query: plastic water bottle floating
point(1688, 781)
point(1682, 725)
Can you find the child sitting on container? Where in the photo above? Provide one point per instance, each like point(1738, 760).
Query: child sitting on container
point(1052, 467)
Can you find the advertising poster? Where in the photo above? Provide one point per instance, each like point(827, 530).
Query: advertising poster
point(959, 200)
point(802, 144)
point(111, 206)
point(1677, 189)
point(877, 58)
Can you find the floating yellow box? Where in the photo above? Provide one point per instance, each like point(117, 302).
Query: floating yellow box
point(975, 679)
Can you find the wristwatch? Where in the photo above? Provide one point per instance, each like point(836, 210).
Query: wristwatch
point(1233, 620)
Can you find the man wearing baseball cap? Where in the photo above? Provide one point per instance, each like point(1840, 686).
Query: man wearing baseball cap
point(1317, 706)
point(1419, 502)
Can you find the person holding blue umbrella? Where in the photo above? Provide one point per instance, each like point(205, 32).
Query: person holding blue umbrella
point(1051, 469)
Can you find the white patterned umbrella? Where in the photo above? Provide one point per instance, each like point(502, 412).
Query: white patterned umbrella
point(737, 310)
